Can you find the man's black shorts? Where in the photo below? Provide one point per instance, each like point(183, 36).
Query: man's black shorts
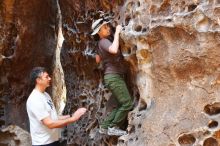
point(56, 143)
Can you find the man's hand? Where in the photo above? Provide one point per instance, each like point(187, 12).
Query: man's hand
point(76, 115)
point(63, 122)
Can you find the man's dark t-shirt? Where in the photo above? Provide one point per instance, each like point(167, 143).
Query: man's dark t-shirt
point(112, 63)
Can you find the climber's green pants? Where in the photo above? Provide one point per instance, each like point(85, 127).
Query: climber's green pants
point(117, 86)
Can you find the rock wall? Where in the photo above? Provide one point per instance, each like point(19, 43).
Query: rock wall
point(83, 77)
point(172, 50)
point(14, 136)
point(27, 37)
point(177, 49)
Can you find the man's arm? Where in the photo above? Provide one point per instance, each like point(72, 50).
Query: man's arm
point(63, 117)
point(63, 122)
point(115, 44)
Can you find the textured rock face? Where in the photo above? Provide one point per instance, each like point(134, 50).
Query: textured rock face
point(83, 79)
point(172, 49)
point(177, 49)
point(14, 136)
point(27, 40)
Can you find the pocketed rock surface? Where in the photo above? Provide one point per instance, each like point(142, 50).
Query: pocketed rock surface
point(171, 49)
